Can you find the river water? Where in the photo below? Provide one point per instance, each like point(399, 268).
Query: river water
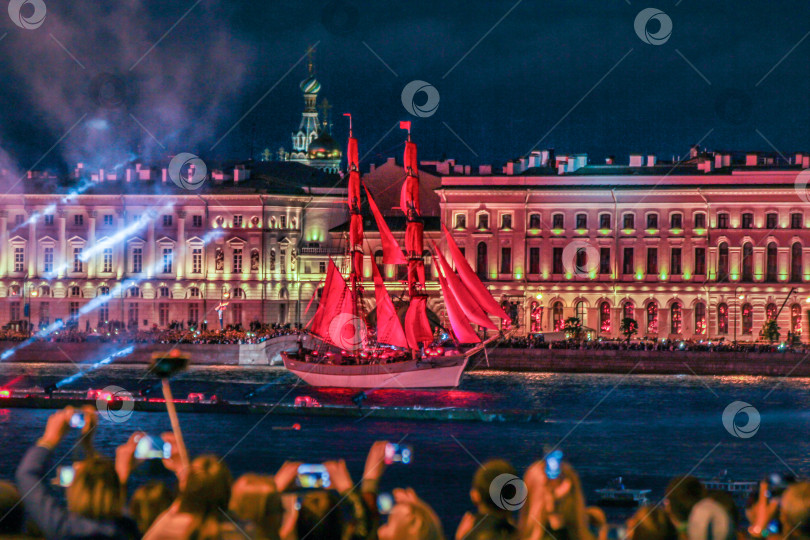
point(644, 428)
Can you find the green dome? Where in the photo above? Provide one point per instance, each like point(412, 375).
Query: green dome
point(310, 85)
point(323, 147)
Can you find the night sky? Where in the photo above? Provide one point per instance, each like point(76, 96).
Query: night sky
point(573, 76)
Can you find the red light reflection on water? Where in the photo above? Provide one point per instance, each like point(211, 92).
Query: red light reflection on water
point(398, 397)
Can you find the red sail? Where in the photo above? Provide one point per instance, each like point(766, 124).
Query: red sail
point(389, 329)
point(458, 320)
point(465, 300)
point(414, 228)
point(470, 279)
point(355, 217)
point(335, 305)
point(417, 327)
point(392, 254)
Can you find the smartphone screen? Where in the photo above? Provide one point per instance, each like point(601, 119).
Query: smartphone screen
point(149, 447)
point(398, 453)
point(77, 420)
point(553, 464)
point(65, 474)
point(385, 502)
point(312, 476)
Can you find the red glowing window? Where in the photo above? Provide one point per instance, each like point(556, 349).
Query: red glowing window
point(676, 318)
point(604, 317)
point(652, 318)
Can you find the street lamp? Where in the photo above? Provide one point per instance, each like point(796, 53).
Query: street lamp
point(736, 312)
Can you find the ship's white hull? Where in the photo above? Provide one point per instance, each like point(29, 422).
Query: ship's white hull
point(444, 372)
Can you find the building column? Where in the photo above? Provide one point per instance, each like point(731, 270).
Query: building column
point(180, 259)
point(122, 246)
point(61, 259)
point(91, 243)
point(149, 250)
point(33, 246)
point(3, 242)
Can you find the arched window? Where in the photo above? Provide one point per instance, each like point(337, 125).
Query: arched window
point(722, 262)
point(44, 291)
point(604, 317)
point(675, 318)
point(748, 262)
point(557, 316)
point(700, 318)
point(378, 257)
point(194, 292)
point(534, 221)
point(722, 319)
point(74, 291)
point(579, 312)
point(283, 294)
point(629, 310)
point(770, 265)
point(796, 319)
point(104, 291)
point(134, 292)
point(796, 262)
point(770, 312)
point(238, 293)
point(747, 318)
point(481, 260)
point(461, 221)
point(652, 318)
point(483, 221)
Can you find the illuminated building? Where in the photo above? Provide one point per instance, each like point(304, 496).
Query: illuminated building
point(701, 248)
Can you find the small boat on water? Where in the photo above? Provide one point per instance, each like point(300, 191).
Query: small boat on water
point(616, 494)
point(393, 353)
point(724, 482)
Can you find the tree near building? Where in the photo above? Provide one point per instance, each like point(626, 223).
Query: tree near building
point(770, 331)
point(573, 329)
point(628, 328)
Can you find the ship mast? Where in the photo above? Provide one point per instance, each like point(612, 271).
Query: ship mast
point(355, 221)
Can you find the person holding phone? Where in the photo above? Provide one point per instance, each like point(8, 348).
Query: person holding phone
point(492, 519)
point(789, 514)
point(95, 500)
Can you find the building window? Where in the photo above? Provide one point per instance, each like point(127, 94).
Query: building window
point(194, 292)
point(506, 221)
point(237, 221)
point(796, 319)
point(506, 260)
point(796, 262)
point(107, 260)
point(652, 221)
point(164, 292)
point(132, 314)
point(604, 221)
point(48, 220)
point(237, 261)
point(748, 262)
point(557, 260)
point(14, 311)
point(167, 260)
point(44, 313)
point(675, 262)
point(748, 220)
point(722, 262)
point(557, 316)
point(47, 262)
point(722, 319)
point(675, 318)
point(652, 260)
point(167, 220)
point(629, 310)
point(652, 318)
point(700, 261)
point(629, 221)
point(483, 222)
point(771, 221)
point(163, 314)
point(747, 319)
point(534, 260)
point(282, 221)
point(676, 221)
point(18, 219)
point(700, 318)
point(193, 314)
point(78, 220)
point(322, 267)
point(75, 291)
point(196, 260)
point(137, 260)
point(534, 221)
point(134, 292)
point(604, 260)
point(604, 317)
point(558, 221)
point(108, 220)
point(579, 312)
point(196, 221)
point(77, 259)
point(795, 221)
point(722, 220)
point(582, 221)
point(700, 221)
point(481, 260)
point(104, 291)
point(770, 312)
point(461, 221)
point(73, 310)
point(770, 266)
point(19, 259)
point(103, 314)
point(627, 261)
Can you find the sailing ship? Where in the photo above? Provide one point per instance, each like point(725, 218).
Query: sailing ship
point(393, 354)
